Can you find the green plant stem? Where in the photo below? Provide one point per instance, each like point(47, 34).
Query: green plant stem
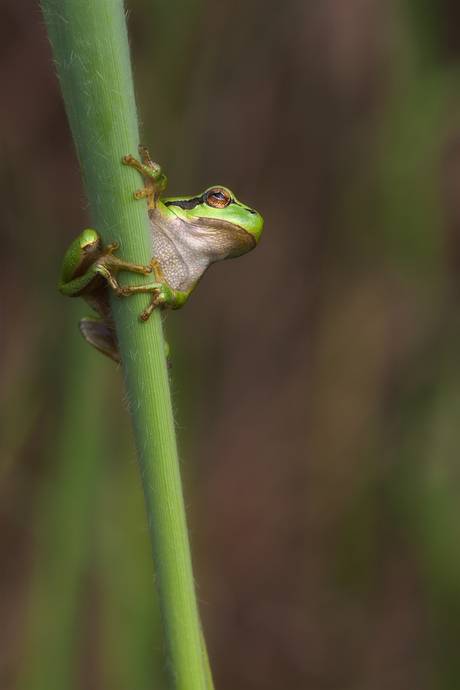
point(90, 48)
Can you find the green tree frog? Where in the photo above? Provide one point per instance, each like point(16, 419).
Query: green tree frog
point(188, 235)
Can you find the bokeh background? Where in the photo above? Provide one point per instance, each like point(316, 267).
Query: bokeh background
point(316, 381)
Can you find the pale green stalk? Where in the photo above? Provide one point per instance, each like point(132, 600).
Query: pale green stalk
point(90, 48)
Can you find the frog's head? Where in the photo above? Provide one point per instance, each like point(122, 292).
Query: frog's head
point(231, 228)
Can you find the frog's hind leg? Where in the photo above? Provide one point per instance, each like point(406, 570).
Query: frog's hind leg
point(101, 336)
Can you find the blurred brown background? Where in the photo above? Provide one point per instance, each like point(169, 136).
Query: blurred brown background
point(316, 381)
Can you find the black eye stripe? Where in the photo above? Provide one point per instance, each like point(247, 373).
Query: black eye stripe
point(189, 204)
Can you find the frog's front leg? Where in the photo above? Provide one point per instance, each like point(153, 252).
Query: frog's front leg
point(164, 294)
point(156, 180)
point(85, 263)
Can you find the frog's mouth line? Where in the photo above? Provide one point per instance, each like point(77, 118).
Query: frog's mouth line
point(189, 204)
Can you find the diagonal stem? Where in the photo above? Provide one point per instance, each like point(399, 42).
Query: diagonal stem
point(90, 49)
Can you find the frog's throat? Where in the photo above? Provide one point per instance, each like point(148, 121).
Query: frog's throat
point(185, 249)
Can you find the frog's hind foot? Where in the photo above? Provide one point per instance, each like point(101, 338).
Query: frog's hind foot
point(101, 336)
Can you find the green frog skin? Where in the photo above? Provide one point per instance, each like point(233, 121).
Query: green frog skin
point(188, 235)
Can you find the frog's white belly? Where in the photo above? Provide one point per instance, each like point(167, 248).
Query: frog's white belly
point(181, 249)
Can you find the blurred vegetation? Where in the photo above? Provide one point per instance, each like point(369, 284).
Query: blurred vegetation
point(316, 380)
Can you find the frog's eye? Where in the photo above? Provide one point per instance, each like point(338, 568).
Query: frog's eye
point(218, 197)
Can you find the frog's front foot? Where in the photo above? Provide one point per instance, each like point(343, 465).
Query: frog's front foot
point(155, 179)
